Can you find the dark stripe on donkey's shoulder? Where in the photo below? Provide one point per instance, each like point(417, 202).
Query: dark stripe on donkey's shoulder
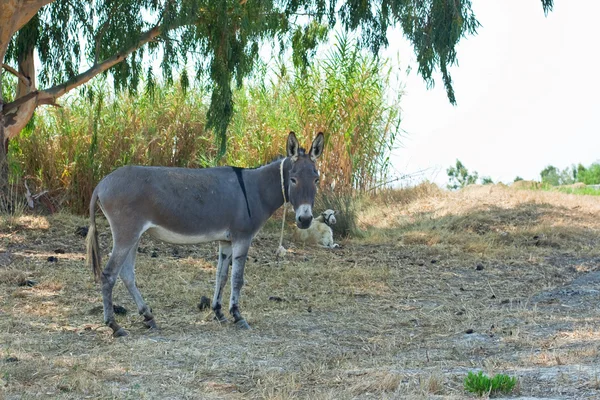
point(240, 178)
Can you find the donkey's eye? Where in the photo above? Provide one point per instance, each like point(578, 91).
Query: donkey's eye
point(294, 181)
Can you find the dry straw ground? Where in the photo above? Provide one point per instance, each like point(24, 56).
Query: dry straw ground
point(489, 278)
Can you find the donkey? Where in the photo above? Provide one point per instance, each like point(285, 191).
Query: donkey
point(189, 206)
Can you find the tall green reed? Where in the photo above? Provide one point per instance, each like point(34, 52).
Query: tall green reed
point(344, 94)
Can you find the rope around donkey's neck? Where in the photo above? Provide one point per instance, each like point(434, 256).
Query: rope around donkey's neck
point(281, 250)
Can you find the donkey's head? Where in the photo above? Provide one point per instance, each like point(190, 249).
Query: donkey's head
point(303, 178)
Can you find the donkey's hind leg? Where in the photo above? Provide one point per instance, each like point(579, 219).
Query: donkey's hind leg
point(109, 277)
point(127, 274)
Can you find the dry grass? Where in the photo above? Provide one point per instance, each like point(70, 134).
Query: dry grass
point(386, 316)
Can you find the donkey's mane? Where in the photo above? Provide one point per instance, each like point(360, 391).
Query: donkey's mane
point(279, 157)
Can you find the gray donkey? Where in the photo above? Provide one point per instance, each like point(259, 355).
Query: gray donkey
point(188, 206)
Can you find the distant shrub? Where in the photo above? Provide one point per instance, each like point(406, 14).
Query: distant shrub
point(589, 175)
point(460, 177)
point(553, 176)
point(486, 180)
point(517, 179)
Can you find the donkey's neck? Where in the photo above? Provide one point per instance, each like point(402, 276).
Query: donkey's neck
point(269, 184)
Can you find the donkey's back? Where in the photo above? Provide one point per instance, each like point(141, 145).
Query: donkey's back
point(195, 205)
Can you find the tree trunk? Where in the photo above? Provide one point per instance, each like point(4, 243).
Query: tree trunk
point(14, 14)
point(17, 118)
point(3, 157)
point(3, 140)
point(4, 176)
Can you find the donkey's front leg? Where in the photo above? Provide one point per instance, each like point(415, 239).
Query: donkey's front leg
point(222, 272)
point(240, 253)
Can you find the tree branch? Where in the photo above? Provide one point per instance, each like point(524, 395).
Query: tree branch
point(16, 73)
point(48, 96)
point(20, 101)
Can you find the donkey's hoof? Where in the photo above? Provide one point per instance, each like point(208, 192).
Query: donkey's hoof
point(120, 333)
point(151, 324)
point(242, 324)
point(221, 320)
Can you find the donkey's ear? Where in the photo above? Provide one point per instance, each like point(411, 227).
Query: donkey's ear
point(292, 146)
point(317, 147)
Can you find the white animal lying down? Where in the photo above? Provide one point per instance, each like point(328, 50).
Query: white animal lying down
point(319, 231)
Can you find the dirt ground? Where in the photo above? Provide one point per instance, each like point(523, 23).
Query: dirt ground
point(486, 279)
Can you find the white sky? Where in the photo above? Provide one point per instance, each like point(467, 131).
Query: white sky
point(528, 93)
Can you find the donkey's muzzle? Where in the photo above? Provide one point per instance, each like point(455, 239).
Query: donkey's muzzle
point(303, 221)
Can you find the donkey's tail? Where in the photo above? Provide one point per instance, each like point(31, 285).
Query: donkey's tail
point(93, 250)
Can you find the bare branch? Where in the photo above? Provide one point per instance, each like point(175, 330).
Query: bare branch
point(20, 101)
point(16, 73)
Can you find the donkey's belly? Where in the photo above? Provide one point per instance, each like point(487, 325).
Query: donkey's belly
point(169, 236)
